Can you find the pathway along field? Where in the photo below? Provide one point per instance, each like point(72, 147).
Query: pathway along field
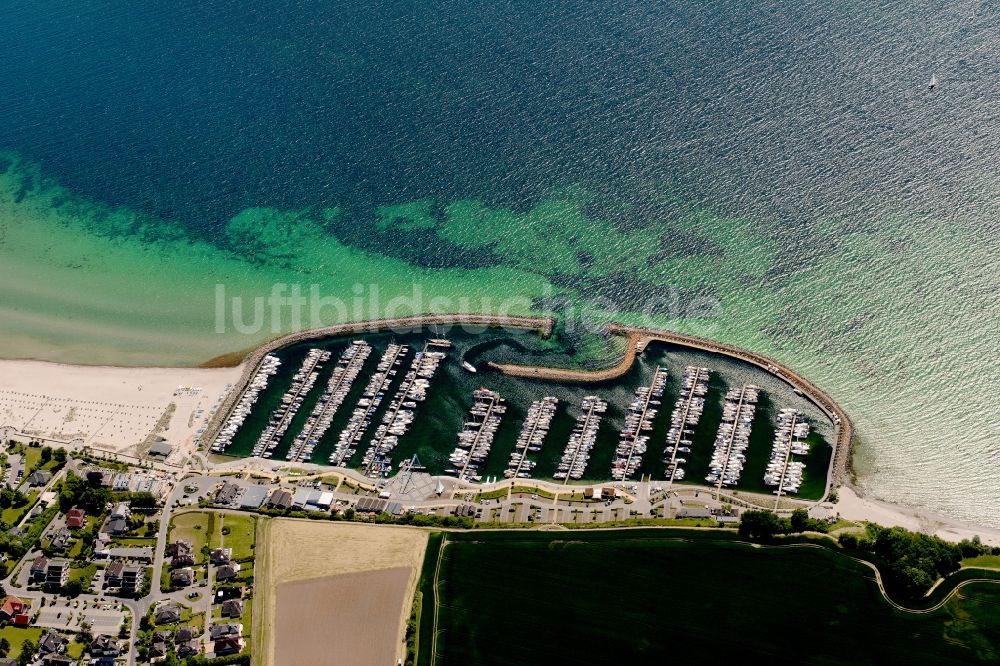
point(644, 596)
point(340, 560)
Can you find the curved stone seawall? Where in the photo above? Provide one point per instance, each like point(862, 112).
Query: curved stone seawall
point(400, 324)
point(568, 375)
point(639, 338)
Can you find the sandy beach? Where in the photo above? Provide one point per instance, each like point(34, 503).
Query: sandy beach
point(854, 506)
point(119, 410)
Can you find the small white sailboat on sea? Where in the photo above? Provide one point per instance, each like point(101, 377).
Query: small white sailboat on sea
point(934, 82)
point(468, 366)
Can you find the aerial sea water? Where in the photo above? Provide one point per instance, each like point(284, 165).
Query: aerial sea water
point(784, 166)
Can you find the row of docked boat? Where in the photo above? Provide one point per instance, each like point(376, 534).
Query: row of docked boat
point(402, 410)
point(476, 437)
point(576, 455)
point(733, 437)
point(536, 426)
point(684, 419)
point(782, 470)
point(281, 418)
point(268, 368)
point(638, 420)
point(378, 384)
point(338, 386)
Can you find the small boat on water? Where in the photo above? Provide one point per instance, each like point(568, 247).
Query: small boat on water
point(933, 84)
point(468, 366)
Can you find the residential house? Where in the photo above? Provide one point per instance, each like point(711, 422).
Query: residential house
point(61, 539)
point(182, 577)
point(58, 660)
point(223, 630)
point(117, 526)
point(39, 478)
point(157, 649)
point(113, 574)
point(181, 554)
point(51, 642)
point(227, 571)
point(167, 613)
point(184, 634)
point(228, 592)
point(280, 499)
point(121, 510)
point(104, 646)
point(133, 579)
point(233, 608)
point(227, 493)
point(178, 547)
point(137, 553)
point(12, 606)
point(228, 645)
point(187, 648)
point(182, 560)
point(221, 556)
point(38, 569)
point(76, 518)
point(56, 574)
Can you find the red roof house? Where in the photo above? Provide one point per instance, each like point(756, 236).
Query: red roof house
point(76, 518)
point(11, 606)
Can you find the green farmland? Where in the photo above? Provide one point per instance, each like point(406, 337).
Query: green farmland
point(658, 596)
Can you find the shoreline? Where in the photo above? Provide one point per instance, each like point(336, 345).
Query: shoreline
point(143, 393)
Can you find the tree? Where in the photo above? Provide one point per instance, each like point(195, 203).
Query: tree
point(4, 647)
point(86, 635)
point(46, 454)
point(28, 650)
point(60, 455)
point(77, 491)
point(762, 525)
point(800, 520)
point(142, 501)
point(73, 588)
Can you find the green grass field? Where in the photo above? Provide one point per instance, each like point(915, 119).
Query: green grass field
point(83, 574)
point(13, 515)
point(16, 636)
point(195, 527)
point(242, 534)
point(987, 561)
point(658, 596)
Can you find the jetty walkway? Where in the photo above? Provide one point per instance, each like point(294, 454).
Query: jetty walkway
point(639, 339)
point(543, 325)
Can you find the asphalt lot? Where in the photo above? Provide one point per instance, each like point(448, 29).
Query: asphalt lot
point(101, 621)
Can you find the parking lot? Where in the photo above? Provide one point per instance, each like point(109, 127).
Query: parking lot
point(103, 619)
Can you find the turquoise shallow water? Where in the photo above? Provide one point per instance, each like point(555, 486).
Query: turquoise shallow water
point(777, 177)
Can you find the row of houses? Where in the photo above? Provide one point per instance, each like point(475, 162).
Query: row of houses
point(184, 639)
point(133, 481)
point(52, 575)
